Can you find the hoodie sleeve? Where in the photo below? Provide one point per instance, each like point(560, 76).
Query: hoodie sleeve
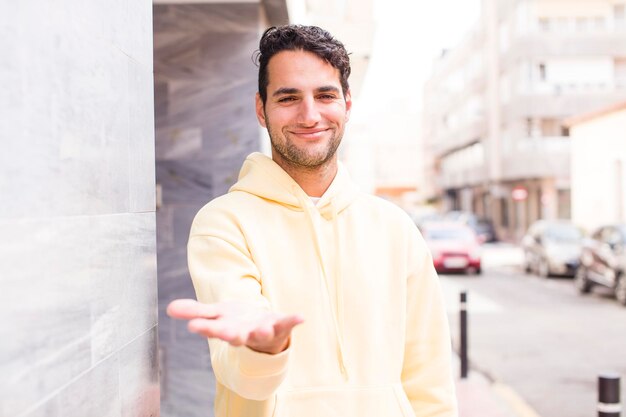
point(221, 269)
point(427, 369)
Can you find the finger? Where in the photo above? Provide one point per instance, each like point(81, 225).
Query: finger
point(212, 329)
point(188, 309)
point(263, 333)
point(285, 324)
point(225, 330)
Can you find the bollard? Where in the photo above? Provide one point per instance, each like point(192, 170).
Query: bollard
point(463, 338)
point(608, 395)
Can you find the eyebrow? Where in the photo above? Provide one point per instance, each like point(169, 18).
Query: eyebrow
point(285, 90)
point(328, 89)
point(289, 90)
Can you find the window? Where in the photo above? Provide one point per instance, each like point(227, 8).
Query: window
point(619, 71)
point(598, 23)
point(504, 212)
point(619, 16)
point(550, 127)
point(564, 197)
point(562, 24)
point(542, 72)
point(529, 127)
point(544, 24)
point(582, 24)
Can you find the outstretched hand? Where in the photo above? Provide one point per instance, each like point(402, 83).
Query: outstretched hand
point(237, 323)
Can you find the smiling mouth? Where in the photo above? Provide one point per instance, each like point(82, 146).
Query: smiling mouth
point(310, 134)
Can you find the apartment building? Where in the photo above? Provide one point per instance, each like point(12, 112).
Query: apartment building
point(599, 167)
point(495, 141)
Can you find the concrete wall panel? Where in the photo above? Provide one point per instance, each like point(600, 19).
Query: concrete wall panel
point(78, 307)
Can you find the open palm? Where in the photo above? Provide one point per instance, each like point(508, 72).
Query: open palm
point(238, 323)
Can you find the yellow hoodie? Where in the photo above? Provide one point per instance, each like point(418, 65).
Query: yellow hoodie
point(375, 340)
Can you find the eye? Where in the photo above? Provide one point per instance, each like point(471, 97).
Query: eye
point(327, 97)
point(286, 99)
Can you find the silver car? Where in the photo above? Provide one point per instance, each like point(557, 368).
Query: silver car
point(552, 247)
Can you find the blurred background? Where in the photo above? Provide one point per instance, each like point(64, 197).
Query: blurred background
point(498, 125)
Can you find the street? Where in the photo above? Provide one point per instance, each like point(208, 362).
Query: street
point(539, 336)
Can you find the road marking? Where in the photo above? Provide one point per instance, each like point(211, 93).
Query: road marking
point(517, 403)
point(476, 303)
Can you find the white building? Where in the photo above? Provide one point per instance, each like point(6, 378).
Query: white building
point(495, 106)
point(599, 167)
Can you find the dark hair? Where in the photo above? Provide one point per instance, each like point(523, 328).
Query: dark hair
point(305, 38)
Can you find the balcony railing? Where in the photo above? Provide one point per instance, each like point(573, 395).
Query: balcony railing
point(463, 177)
point(536, 157)
point(463, 135)
point(520, 159)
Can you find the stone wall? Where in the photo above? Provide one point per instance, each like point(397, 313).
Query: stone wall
point(205, 83)
point(78, 305)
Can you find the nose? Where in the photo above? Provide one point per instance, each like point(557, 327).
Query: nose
point(308, 113)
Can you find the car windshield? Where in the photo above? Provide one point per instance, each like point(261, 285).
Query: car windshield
point(450, 234)
point(563, 233)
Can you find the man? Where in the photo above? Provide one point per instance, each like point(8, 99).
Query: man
point(317, 300)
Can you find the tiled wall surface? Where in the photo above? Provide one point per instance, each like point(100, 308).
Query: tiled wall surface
point(78, 305)
point(205, 82)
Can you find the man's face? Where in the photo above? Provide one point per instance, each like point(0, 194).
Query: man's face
point(306, 111)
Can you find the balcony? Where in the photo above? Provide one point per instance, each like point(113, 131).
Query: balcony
point(559, 102)
point(536, 157)
point(605, 43)
point(463, 135)
point(463, 176)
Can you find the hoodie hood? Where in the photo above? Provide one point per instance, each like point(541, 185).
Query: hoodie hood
point(263, 177)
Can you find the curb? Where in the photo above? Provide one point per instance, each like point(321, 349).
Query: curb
point(505, 399)
point(517, 404)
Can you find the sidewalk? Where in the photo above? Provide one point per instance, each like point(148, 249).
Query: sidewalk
point(479, 397)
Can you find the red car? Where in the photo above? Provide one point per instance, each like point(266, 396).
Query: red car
point(454, 247)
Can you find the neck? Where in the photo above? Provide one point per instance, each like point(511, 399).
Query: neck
point(313, 180)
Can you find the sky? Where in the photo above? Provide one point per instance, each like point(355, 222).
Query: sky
point(409, 34)
point(387, 112)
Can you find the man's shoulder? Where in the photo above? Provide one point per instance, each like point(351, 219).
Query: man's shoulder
point(227, 205)
point(382, 207)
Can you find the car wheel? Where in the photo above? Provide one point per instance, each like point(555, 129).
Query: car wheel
point(543, 269)
point(620, 290)
point(472, 271)
point(527, 267)
point(581, 281)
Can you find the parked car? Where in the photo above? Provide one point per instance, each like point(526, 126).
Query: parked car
point(454, 247)
point(482, 226)
point(552, 247)
point(484, 229)
point(603, 261)
point(421, 220)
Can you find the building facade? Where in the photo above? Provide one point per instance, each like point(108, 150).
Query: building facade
point(494, 132)
point(599, 167)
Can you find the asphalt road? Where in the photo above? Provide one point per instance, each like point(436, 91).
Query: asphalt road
point(539, 336)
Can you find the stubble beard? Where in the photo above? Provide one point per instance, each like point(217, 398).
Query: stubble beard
point(299, 157)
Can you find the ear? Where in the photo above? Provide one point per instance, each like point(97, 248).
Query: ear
point(348, 104)
point(260, 113)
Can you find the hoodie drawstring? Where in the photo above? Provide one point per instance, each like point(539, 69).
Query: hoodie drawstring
point(337, 311)
point(339, 286)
